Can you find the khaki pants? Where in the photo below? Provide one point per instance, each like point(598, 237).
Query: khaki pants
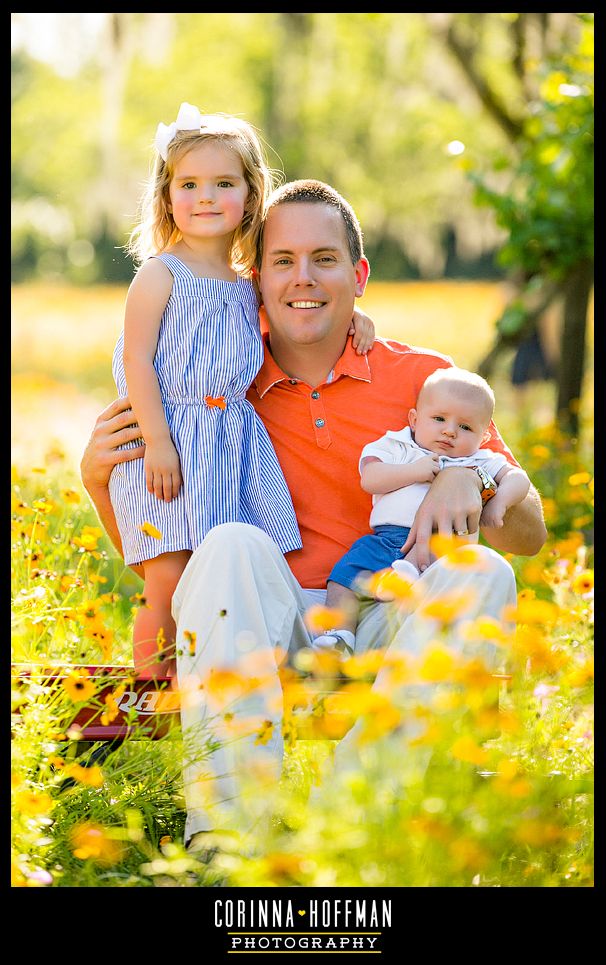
point(238, 605)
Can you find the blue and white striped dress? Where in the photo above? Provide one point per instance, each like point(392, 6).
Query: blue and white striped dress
point(209, 344)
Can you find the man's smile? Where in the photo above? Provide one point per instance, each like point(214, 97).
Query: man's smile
point(305, 304)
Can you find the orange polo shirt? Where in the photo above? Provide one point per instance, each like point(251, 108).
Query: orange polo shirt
point(318, 433)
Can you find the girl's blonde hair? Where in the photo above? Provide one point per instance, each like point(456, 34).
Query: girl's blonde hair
point(156, 230)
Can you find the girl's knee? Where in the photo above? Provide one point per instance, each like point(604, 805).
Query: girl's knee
point(165, 571)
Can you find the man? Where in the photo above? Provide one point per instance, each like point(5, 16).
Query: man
point(239, 599)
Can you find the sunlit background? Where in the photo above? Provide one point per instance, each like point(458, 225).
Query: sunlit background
point(400, 112)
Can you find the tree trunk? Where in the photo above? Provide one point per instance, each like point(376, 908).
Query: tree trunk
point(577, 290)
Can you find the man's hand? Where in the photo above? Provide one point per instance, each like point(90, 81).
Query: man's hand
point(113, 428)
point(452, 505)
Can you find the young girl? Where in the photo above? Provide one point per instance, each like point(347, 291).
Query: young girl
point(190, 348)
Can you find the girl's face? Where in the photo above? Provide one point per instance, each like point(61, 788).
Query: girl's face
point(208, 191)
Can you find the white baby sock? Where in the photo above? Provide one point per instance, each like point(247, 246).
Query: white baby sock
point(335, 640)
point(406, 570)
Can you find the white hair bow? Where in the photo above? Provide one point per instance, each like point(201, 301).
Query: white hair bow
point(188, 119)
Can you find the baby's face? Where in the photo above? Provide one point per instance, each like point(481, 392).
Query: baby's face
point(448, 423)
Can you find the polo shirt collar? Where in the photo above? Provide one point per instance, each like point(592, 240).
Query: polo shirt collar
point(350, 363)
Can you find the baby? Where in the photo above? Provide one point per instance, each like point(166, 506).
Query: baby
point(446, 429)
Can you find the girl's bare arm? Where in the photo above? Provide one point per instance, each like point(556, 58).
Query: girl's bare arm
point(145, 303)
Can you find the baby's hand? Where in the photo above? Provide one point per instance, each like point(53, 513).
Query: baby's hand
point(363, 330)
point(162, 470)
point(493, 513)
point(428, 468)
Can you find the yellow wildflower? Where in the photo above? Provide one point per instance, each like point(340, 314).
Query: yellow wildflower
point(44, 506)
point(364, 664)
point(190, 637)
point(265, 733)
point(541, 612)
point(579, 479)
point(111, 704)
point(150, 530)
point(438, 664)
point(540, 452)
point(78, 685)
point(465, 749)
point(456, 551)
point(89, 538)
point(33, 803)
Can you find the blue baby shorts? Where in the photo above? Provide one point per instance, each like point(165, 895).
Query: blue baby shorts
point(373, 552)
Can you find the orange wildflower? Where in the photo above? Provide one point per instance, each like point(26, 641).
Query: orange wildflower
point(78, 685)
point(387, 585)
point(91, 776)
point(150, 530)
point(583, 582)
point(447, 608)
point(91, 842)
point(318, 619)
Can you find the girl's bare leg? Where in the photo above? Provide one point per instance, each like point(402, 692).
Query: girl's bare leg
point(154, 629)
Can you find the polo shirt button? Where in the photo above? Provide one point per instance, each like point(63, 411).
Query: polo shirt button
point(315, 394)
point(319, 423)
point(293, 381)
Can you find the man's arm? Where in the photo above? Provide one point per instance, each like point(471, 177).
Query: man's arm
point(453, 504)
point(113, 428)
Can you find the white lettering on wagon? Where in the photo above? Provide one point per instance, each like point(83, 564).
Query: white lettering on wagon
point(149, 702)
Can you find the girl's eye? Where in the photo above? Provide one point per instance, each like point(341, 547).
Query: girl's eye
point(439, 418)
point(467, 428)
point(189, 185)
point(225, 184)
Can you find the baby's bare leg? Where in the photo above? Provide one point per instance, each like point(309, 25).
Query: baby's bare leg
point(154, 628)
point(345, 605)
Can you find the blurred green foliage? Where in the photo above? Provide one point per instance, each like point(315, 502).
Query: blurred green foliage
point(369, 102)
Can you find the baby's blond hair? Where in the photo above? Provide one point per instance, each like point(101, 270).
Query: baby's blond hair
point(156, 230)
point(470, 384)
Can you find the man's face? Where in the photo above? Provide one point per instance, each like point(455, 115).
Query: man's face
point(307, 280)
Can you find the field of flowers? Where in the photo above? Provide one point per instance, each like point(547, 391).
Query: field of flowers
point(506, 799)
point(490, 784)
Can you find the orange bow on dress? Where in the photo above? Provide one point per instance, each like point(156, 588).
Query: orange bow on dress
point(219, 402)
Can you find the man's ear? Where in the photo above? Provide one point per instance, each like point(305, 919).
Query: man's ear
point(362, 270)
point(412, 418)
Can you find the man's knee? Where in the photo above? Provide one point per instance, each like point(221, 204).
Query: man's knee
point(493, 562)
point(233, 539)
